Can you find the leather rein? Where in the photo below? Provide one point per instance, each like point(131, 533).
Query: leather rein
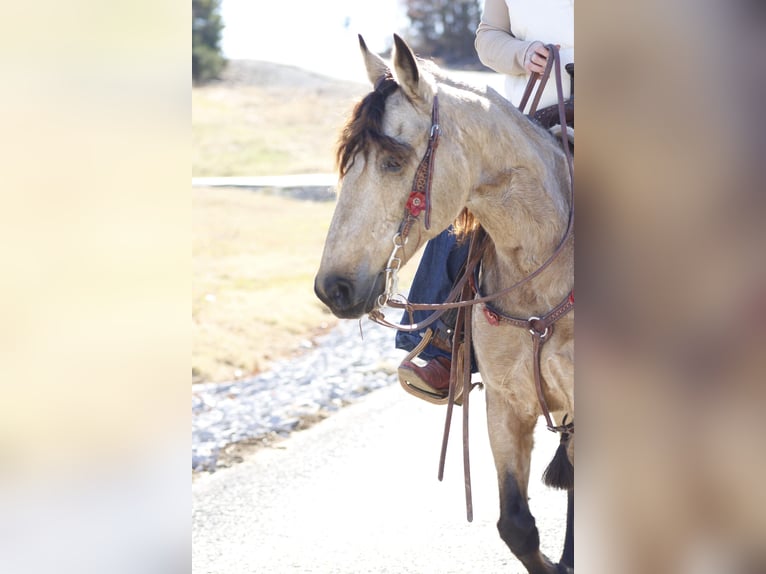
point(465, 292)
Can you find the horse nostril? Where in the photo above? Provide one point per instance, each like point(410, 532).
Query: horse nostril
point(348, 297)
point(340, 291)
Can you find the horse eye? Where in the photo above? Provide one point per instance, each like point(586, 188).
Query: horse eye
point(391, 165)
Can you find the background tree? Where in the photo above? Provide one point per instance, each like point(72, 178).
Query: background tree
point(207, 59)
point(445, 30)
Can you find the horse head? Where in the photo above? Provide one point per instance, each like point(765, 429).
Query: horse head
point(378, 156)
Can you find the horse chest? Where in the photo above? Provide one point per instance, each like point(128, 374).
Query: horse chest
point(506, 361)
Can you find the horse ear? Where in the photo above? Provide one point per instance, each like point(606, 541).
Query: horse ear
point(405, 68)
point(375, 65)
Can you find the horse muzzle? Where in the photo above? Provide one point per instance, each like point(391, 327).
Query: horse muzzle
point(348, 298)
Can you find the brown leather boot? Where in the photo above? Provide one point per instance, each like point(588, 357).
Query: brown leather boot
point(432, 377)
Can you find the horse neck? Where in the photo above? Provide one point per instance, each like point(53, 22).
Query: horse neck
point(520, 196)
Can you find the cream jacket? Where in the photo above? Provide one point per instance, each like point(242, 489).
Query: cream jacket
point(508, 28)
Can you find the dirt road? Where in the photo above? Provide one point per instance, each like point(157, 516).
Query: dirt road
point(358, 493)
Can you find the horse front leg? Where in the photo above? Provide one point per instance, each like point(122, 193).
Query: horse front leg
point(567, 556)
point(560, 474)
point(511, 439)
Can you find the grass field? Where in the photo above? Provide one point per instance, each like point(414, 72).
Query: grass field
point(254, 257)
point(268, 119)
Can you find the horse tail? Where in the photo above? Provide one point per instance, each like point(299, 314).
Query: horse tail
point(560, 472)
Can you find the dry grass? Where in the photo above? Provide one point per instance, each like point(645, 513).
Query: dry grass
point(255, 257)
point(266, 119)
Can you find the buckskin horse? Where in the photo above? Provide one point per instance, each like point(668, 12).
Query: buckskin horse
point(514, 179)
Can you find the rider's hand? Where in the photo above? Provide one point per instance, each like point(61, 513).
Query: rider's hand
point(536, 57)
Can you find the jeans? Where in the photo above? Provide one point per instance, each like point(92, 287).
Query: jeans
point(442, 260)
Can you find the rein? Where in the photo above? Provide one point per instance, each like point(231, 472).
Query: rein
point(465, 292)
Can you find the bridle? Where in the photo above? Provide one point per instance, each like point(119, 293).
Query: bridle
point(419, 201)
point(465, 293)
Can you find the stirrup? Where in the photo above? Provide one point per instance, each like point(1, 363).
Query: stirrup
point(427, 394)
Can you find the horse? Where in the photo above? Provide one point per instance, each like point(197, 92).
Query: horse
point(512, 177)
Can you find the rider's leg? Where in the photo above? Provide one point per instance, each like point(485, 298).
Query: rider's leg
point(439, 267)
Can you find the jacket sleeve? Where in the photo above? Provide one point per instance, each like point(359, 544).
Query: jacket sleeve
point(495, 44)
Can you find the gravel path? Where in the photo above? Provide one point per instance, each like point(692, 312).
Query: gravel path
point(341, 367)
